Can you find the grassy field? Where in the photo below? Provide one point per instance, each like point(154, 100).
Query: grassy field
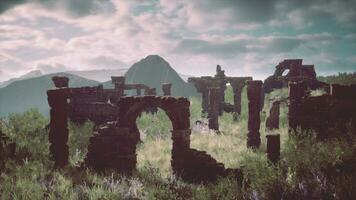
point(299, 175)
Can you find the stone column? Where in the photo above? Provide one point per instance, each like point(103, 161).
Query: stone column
point(138, 91)
point(205, 101)
point(237, 84)
point(273, 147)
point(119, 83)
point(254, 89)
point(181, 142)
point(237, 90)
point(297, 90)
point(272, 121)
point(214, 103)
point(58, 133)
point(166, 88)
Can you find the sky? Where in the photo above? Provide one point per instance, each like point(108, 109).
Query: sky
point(247, 38)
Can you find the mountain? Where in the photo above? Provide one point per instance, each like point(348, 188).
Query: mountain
point(100, 75)
point(30, 74)
point(153, 71)
point(30, 93)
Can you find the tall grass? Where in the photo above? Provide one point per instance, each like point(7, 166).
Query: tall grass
point(309, 169)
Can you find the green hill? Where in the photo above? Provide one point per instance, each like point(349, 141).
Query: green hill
point(153, 71)
point(23, 95)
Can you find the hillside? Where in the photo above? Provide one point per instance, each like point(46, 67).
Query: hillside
point(153, 71)
point(31, 74)
point(100, 75)
point(23, 95)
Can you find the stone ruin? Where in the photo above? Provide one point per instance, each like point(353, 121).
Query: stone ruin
point(113, 144)
point(296, 72)
point(98, 104)
point(213, 95)
point(328, 115)
point(254, 92)
point(272, 121)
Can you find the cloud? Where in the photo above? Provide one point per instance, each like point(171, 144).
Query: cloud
point(51, 68)
point(106, 62)
point(246, 37)
point(76, 8)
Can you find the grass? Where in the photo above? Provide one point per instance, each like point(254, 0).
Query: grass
point(306, 170)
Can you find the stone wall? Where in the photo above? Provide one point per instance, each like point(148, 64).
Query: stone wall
point(111, 147)
point(329, 115)
point(296, 72)
point(113, 144)
point(272, 121)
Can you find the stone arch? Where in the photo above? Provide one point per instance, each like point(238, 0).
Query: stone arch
point(281, 69)
point(177, 110)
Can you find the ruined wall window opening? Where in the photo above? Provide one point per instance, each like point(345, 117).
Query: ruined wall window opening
point(285, 72)
point(229, 94)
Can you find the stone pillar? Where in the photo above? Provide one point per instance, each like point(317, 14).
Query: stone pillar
point(221, 80)
point(181, 142)
point(237, 87)
point(254, 89)
point(138, 91)
point(272, 121)
point(214, 104)
point(205, 101)
point(237, 84)
point(119, 83)
point(166, 88)
point(152, 91)
point(58, 133)
point(297, 90)
point(273, 147)
point(60, 81)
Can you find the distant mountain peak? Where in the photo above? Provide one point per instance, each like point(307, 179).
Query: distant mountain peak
point(31, 74)
point(154, 70)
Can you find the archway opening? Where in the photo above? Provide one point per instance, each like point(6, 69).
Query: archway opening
point(154, 149)
point(229, 94)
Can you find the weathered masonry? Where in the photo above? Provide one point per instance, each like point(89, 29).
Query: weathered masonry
point(292, 70)
point(323, 114)
point(213, 89)
point(113, 144)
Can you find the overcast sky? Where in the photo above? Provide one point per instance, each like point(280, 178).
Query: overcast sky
point(245, 37)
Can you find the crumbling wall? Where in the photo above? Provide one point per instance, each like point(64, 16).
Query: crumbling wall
point(328, 115)
point(272, 121)
point(297, 72)
point(113, 146)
